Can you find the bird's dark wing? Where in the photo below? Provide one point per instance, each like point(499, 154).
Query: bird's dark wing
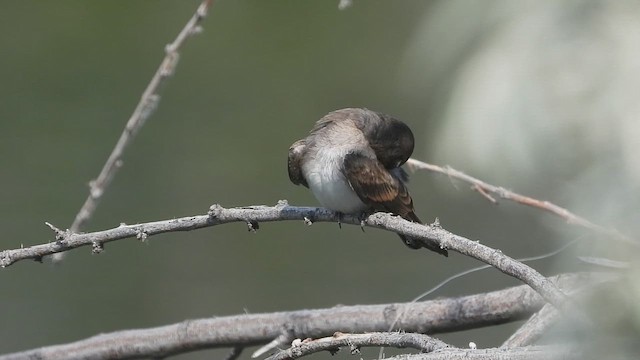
point(377, 187)
point(295, 163)
point(380, 189)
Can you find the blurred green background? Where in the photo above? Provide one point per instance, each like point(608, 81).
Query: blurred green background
point(533, 96)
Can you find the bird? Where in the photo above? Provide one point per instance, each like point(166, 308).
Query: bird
point(351, 161)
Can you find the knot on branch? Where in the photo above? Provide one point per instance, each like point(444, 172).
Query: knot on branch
point(252, 225)
point(97, 247)
point(95, 190)
point(282, 204)
point(375, 219)
point(353, 349)
point(171, 61)
point(5, 259)
point(141, 235)
point(214, 211)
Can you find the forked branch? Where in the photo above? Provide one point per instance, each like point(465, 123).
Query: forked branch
point(487, 190)
point(147, 105)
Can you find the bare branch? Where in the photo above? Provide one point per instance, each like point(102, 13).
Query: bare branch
point(534, 328)
point(333, 343)
point(434, 316)
point(486, 190)
point(550, 352)
point(147, 105)
point(252, 215)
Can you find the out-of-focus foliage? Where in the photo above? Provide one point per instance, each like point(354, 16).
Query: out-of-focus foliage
point(546, 93)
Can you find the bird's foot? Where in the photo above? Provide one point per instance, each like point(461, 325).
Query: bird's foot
point(363, 219)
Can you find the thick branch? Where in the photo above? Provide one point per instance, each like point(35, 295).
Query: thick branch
point(252, 215)
point(486, 190)
point(434, 316)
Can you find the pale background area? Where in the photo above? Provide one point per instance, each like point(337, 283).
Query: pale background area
point(539, 97)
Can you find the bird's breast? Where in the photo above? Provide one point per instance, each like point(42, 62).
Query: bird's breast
point(323, 172)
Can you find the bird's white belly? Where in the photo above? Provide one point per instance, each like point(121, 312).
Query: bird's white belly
point(329, 185)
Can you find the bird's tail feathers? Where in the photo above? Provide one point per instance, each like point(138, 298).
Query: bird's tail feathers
point(417, 243)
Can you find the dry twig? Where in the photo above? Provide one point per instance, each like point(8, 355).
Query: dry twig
point(333, 343)
point(147, 105)
point(486, 190)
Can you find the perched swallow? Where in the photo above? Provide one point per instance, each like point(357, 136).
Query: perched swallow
point(351, 162)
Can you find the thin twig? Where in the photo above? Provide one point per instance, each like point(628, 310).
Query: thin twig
point(433, 316)
point(281, 341)
point(147, 105)
point(252, 215)
point(333, 343)
point(486, 189)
